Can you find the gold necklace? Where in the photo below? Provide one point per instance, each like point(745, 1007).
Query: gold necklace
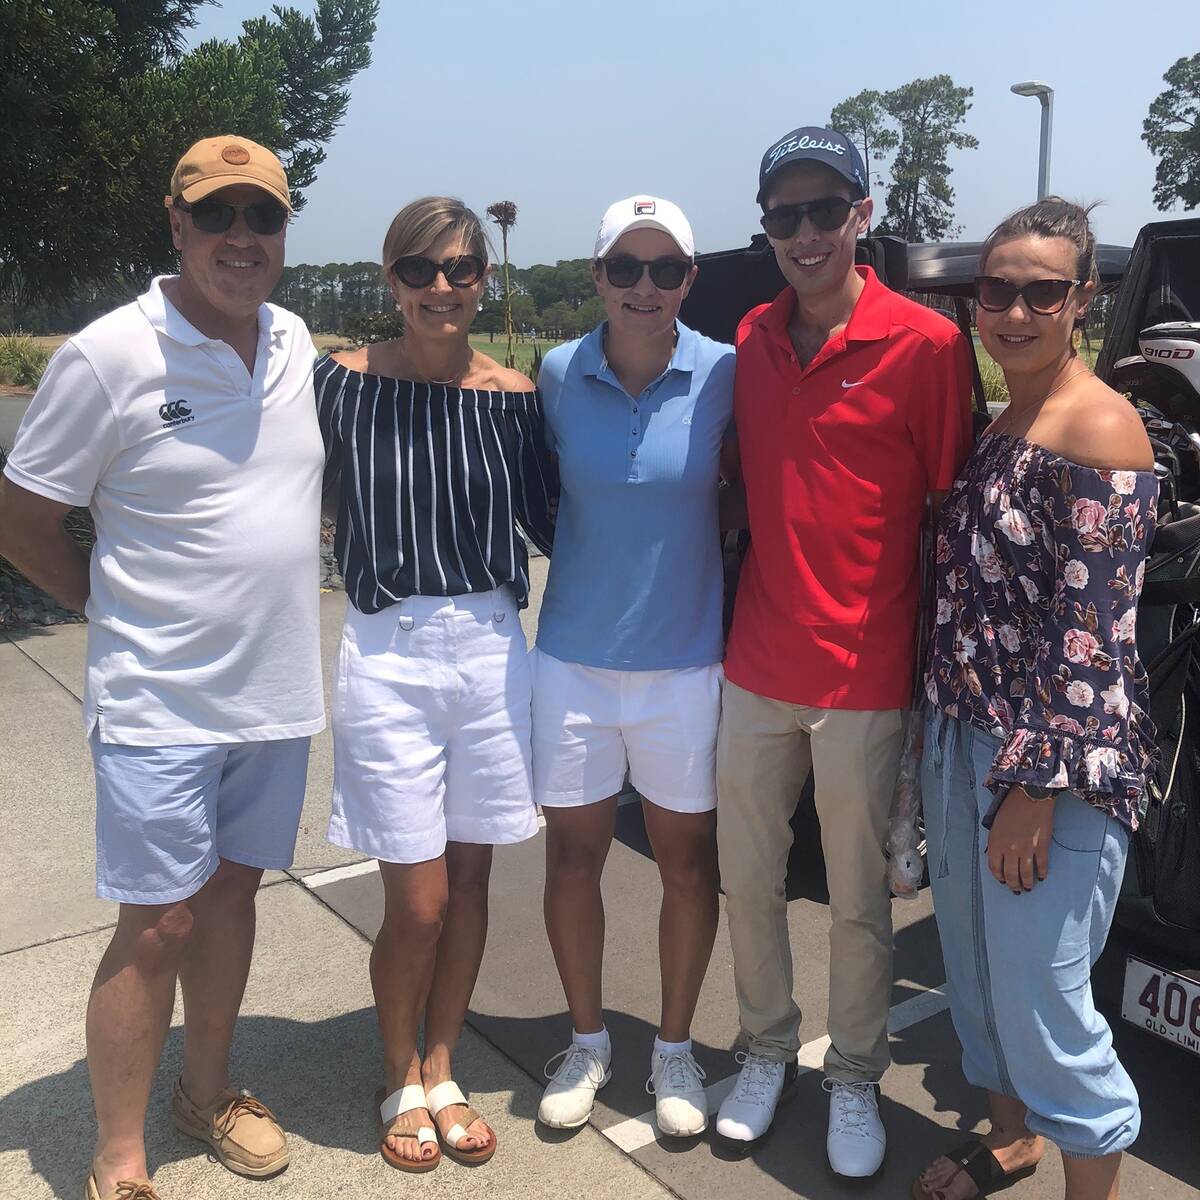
point(1038, 404)
point(457, 374)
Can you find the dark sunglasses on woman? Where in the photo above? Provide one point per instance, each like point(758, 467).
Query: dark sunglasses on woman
point(417, 271)
point(667, 274)
point(827, 214)
point(265, 217)
point(1042, 296)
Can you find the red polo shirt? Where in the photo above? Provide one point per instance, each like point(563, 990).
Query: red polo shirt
point(837, 459)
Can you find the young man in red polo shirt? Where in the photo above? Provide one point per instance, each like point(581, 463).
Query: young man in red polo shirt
point(852, 408)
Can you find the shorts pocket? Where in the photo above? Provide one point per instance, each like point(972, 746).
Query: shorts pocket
point(1078, 825)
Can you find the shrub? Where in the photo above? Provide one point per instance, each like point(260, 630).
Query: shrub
point(22, 360)
point(365, 328)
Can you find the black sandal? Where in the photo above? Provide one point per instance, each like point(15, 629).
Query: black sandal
point(981, 1167)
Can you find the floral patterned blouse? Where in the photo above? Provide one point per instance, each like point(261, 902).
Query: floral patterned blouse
point(1039, 568)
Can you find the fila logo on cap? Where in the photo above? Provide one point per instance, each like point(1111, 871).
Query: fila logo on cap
point(643, 208)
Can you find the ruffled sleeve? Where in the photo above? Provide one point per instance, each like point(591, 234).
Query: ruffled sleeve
point(1083, 724)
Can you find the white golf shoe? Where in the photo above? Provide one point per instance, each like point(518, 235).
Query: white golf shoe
point(856, 1141)
point(677, 1084)
point(568, 1098)
point(747, 1112)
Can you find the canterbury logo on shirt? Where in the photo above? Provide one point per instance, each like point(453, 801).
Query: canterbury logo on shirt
point(175, 412)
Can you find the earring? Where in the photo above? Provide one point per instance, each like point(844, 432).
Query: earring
point(396, 306)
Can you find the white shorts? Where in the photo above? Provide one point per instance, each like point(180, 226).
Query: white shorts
point(167, 815)
point(431, 728)
point(590, 724)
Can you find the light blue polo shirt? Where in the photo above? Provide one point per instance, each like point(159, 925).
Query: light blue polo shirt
point(635, 578)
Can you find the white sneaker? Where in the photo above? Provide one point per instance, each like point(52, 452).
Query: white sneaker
point(677, 1084)
point(856, 1140)
point(567, 1101)
point(747, 1112)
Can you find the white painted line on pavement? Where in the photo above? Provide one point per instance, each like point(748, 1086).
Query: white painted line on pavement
point(337, 874)
point(639, 1132)
point(918, 1008)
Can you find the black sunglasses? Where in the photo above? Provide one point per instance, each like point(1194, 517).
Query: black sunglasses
point(216, 216)
point(827, 214)
point(417, 271)
point(1042, 296)
point(623, 271)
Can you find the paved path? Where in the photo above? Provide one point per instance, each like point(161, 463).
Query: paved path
point(12, 409)
point(307, 1041)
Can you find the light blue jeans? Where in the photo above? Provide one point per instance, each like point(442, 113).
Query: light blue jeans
point(1018, 967)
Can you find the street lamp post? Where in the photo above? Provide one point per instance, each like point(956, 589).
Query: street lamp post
point(1045, 94)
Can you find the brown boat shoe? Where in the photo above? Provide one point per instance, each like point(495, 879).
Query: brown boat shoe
point(241, 1131)
point(126, 1189)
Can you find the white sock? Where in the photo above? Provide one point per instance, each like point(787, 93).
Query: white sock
point(661, 1047)
point(599, 1042)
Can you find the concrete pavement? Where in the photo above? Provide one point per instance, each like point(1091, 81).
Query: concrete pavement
point(307, 1041)
point(12, 409)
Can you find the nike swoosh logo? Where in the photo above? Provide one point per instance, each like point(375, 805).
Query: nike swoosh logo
point(856, 383)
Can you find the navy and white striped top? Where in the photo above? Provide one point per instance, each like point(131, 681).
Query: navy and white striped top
point(434, 481)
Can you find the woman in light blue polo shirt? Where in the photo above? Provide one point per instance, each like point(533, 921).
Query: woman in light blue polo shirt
point(627, 667)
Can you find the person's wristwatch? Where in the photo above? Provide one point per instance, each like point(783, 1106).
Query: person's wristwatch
point(1040, 793)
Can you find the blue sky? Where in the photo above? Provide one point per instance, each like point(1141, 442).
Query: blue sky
point(566, 106)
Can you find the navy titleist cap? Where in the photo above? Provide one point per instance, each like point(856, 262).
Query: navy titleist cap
point(812, 143)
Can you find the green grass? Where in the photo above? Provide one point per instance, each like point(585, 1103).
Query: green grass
point(523, 349)
point(994, 387)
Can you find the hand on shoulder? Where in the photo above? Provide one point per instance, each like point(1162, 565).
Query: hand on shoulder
point(1097, 427)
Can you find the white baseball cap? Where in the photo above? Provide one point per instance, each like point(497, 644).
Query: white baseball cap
point(644, 212)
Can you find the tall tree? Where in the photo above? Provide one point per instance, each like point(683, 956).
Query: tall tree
point(1172, 131)
point(864, 121)
point(98, 101)
point(929, 113)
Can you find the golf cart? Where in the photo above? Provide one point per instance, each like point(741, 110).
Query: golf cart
point(1151, 351)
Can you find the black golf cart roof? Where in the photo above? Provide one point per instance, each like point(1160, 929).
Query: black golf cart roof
point(731, 282)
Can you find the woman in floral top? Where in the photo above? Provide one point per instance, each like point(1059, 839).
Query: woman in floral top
point(1038, 742)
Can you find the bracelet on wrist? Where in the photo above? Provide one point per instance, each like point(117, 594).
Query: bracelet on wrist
point(1040, 793)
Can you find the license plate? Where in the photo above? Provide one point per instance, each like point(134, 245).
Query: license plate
point(1162, 1003)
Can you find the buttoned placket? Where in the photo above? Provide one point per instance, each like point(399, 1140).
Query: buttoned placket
point(830, 350)
point(637, 425)
point(248, 385)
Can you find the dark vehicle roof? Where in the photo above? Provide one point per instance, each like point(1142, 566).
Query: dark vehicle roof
point(731, 282)
point(949, 268)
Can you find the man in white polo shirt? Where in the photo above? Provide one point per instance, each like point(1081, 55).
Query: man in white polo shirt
point(186, 421)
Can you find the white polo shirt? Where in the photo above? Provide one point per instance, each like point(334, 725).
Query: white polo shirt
point(205, 488)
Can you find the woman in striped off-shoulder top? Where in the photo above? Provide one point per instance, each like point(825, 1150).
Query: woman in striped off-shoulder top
point(441, 458)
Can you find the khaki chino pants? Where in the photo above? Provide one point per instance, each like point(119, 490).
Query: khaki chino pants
point(765, 751)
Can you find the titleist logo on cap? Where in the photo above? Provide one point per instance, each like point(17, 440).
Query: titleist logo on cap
point(802, 143)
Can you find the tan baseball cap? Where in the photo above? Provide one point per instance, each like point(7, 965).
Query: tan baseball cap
point(218, 162)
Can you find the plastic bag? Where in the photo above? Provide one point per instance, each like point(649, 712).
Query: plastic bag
point(905, 865)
